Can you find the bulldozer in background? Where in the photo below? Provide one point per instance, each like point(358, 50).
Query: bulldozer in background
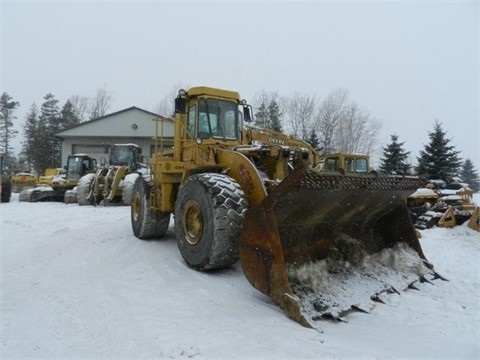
point(319, 243)
point(5, 183)
point(113, 182)
point(77, 166)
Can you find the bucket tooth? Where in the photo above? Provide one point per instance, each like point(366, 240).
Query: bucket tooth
point(423, 279)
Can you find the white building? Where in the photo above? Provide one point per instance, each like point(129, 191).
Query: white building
point(131, 125)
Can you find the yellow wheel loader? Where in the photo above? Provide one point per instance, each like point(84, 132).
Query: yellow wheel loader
point(58, 190)
point(114, 181)
point(319, 243)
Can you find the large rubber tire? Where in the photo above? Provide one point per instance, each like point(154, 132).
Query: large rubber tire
point(209, 214)
point(6, 191)
point(146, 223)
point(84, 187)
point(127, 188)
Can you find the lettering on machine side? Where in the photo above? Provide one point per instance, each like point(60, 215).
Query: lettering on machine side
point(276, 141)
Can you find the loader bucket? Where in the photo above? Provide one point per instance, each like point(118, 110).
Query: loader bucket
point(320, 242)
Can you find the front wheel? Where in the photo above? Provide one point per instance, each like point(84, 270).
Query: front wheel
point(84, 189)
point(127, 188)
point(146, 223)
point(209, 214)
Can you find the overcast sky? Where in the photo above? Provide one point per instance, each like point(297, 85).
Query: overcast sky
point(409, 63)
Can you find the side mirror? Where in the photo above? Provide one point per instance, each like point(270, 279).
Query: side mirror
point(180, 104)
point(247, 116)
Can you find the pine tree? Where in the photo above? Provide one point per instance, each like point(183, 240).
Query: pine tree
point(41, 148)
point(31, 144)
point(49, 124)
point(470, 175)
point(439, 159)
point(394, 160)
point(313, 139)
point(269, 117)
point(261, 116)
point(68, 116)
point(7, 132)
point(274, 115)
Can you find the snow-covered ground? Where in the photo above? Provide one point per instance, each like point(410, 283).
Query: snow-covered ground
point(76, 283)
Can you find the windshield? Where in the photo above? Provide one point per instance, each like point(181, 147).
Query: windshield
point(217, 119)
point(76, 167)
point(353, 165)
point(122, 155)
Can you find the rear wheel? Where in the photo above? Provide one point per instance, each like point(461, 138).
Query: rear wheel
point(6, 191)
point(146, 223)
point(209, 216)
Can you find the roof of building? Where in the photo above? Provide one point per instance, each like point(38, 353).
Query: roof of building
point(111, 115)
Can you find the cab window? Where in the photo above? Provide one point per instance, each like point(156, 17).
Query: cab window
point(192, 112)
point(332, 164)
point(362, 166)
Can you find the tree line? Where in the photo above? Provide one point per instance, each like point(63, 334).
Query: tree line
point(333, 124)
point(40, 148)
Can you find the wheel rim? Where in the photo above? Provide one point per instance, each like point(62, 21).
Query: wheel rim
point(192, 222)
point(136, 206)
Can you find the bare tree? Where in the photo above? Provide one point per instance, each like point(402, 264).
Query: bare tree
point(300, 111)
point(99, 104)
point(357, 130)
point(80, 106)
point(166, 106)
point(329, 116)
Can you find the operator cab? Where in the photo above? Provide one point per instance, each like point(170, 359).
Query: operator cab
point(350, 164)
point(79, 165)
point(216, 118)
point(212, 117)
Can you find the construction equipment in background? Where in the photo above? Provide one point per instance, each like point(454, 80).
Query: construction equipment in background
point(335, 162)
point(440, 204)
point(319, 243)
point(22, 181)
point(49, 176)
point(5, 183)
point(77, 166)
point(113, 182)
point(345, 163)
